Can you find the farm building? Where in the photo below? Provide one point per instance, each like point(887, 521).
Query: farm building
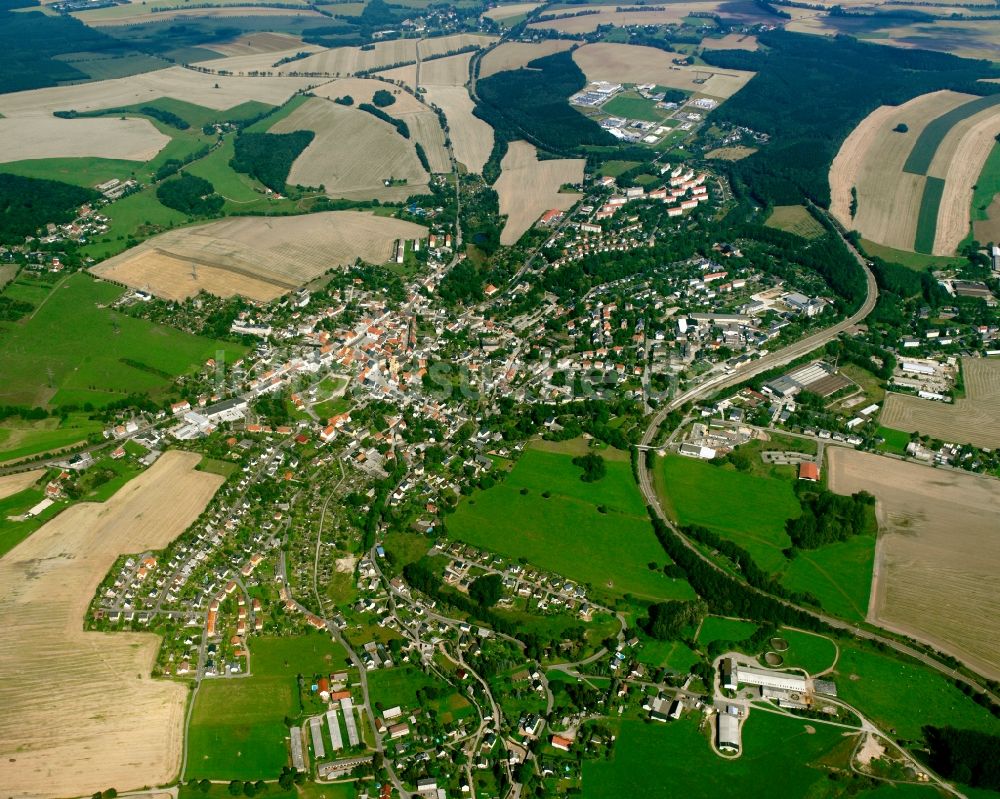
point(765, 678)
point(729, 733)
point(808, 471)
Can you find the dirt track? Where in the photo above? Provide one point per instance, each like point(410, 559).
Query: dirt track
point(80, 712)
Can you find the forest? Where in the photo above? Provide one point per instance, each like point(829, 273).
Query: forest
point(190, 195)
point(810, 92)
point(968, 756)
point(27, 204)
point(268, 157)
point(828, 517)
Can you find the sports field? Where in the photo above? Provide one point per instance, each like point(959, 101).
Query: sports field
point(648, 757)
point(237, 726)
point(566, 532)
point(106, 352)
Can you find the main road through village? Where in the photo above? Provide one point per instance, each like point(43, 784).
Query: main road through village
point(771, 361)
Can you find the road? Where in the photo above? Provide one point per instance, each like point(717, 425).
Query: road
point(770, 361)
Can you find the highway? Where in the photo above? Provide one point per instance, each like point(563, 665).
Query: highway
point(770, 361)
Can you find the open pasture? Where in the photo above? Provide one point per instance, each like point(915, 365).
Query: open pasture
point(974, 419)
point(566, 532)
point(108, 723)
point(353, 153)
point(513, 55)
point(528, 187)
point(177, 82)
point(872, 160)
point(33, 137)
point(937, 572)
point(255, 257)
point(108, 353)
point(627, 63)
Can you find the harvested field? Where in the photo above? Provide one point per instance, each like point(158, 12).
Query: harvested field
point(988, 229)
point(263, 42)
point(937, 570)
point(627, 63)
point(731, 153)
point(23, 138)
point(96, 20)
point(345, 61)
point(511, 10)
point(353, 153)
point(731, 41)
point(670, 14)
point(260, 61)
point(796, 219)
point(871, 160)
point(182, 84)
point(14, 483)
point(256, 257)
point(425, 128)
point(512, 55)
point(450, 71)
point(529, 187)
point(107, 723)
point(973, 420)
point(471, 138)
point(363, 89)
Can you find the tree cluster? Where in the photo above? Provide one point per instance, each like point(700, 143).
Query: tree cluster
point(268, 157)
point(828, 517)
point(593, 465)
point(190, 195)
point(27, 204)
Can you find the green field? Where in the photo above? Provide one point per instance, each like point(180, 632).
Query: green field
point(930, 203)
point(631, 106)
point(795, 219)
point(237, 726)
point(77, 171)
point(901, 695)
point(397, 686)
point(13, 533)
point(674, 655)
point(987, 186)
point(896, 441)
point(839, 575)
point(814, 653)
point(20, 439)
point(930, 138)
point(780, 760)
point(911, 260)
point(566, 532)
point(72, 343)
point(717, 628)
point(749, 510)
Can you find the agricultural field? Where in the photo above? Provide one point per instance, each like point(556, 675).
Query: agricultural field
point(132, 16)
point(244, 63)
point(795, 219)
point(514, 55)
point(974, 419)
point(353, 153)
point(450, 71)
point(675, 13)
point(471, 138)
point(938, 558)
point(257, 259)
point(528, 187)
point(22, 439)
point(109, 355)
point(627, 63)
point(15, 483)
point(106, 701)
point(237, 727)
point(346, 61)
point(731, 41)
point(730, 153)
point(566, 532)
point(509, 10)
point(260, 42)
point(719, 628)
point(33, 137)
point(985, 200)
point(915, 185)
point(751, 510)
point(677, 754)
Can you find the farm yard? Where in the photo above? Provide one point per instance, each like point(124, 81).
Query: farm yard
point(108, 356)
point(106, 703)
point(528, 187)
point(353, 153)
point(566, 532)
point(514, 55)
point(938, 555)
point(627, 63)
point(259, 259)
point(974, 419)
point(914, 168)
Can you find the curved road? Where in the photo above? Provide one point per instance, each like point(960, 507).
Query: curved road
point(780, 358)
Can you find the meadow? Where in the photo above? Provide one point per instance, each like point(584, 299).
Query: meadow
point(718, 628)
point(927, 216)
point(648, 757)
point(814, 653)
point(566, 532)
point(237, 728)
point(631, 106)
point(21, 439)
point(105, 353)
point(795, 219)
point(838, 574)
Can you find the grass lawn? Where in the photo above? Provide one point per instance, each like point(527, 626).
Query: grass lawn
point(214, 466)
point(839, 575)
point(896, 441)
point(902, 695)
point(717, 628)
point(565, 532)
point(814, 653)
point(237, 726)
point(632, 106)
point(779, 759)
point(240, 190)
point(911, 260)
point(73, 342)
point(674, 655)
point(398, 686)
point(615, 168)
point(749, 510)
point(795, 219)
point(20, 438)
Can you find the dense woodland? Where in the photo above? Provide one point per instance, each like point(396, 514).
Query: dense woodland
point(190, 195)
point(968, 756)
point(810, 92)
point(268, 157)
point(27, 204)
point(828, 517)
